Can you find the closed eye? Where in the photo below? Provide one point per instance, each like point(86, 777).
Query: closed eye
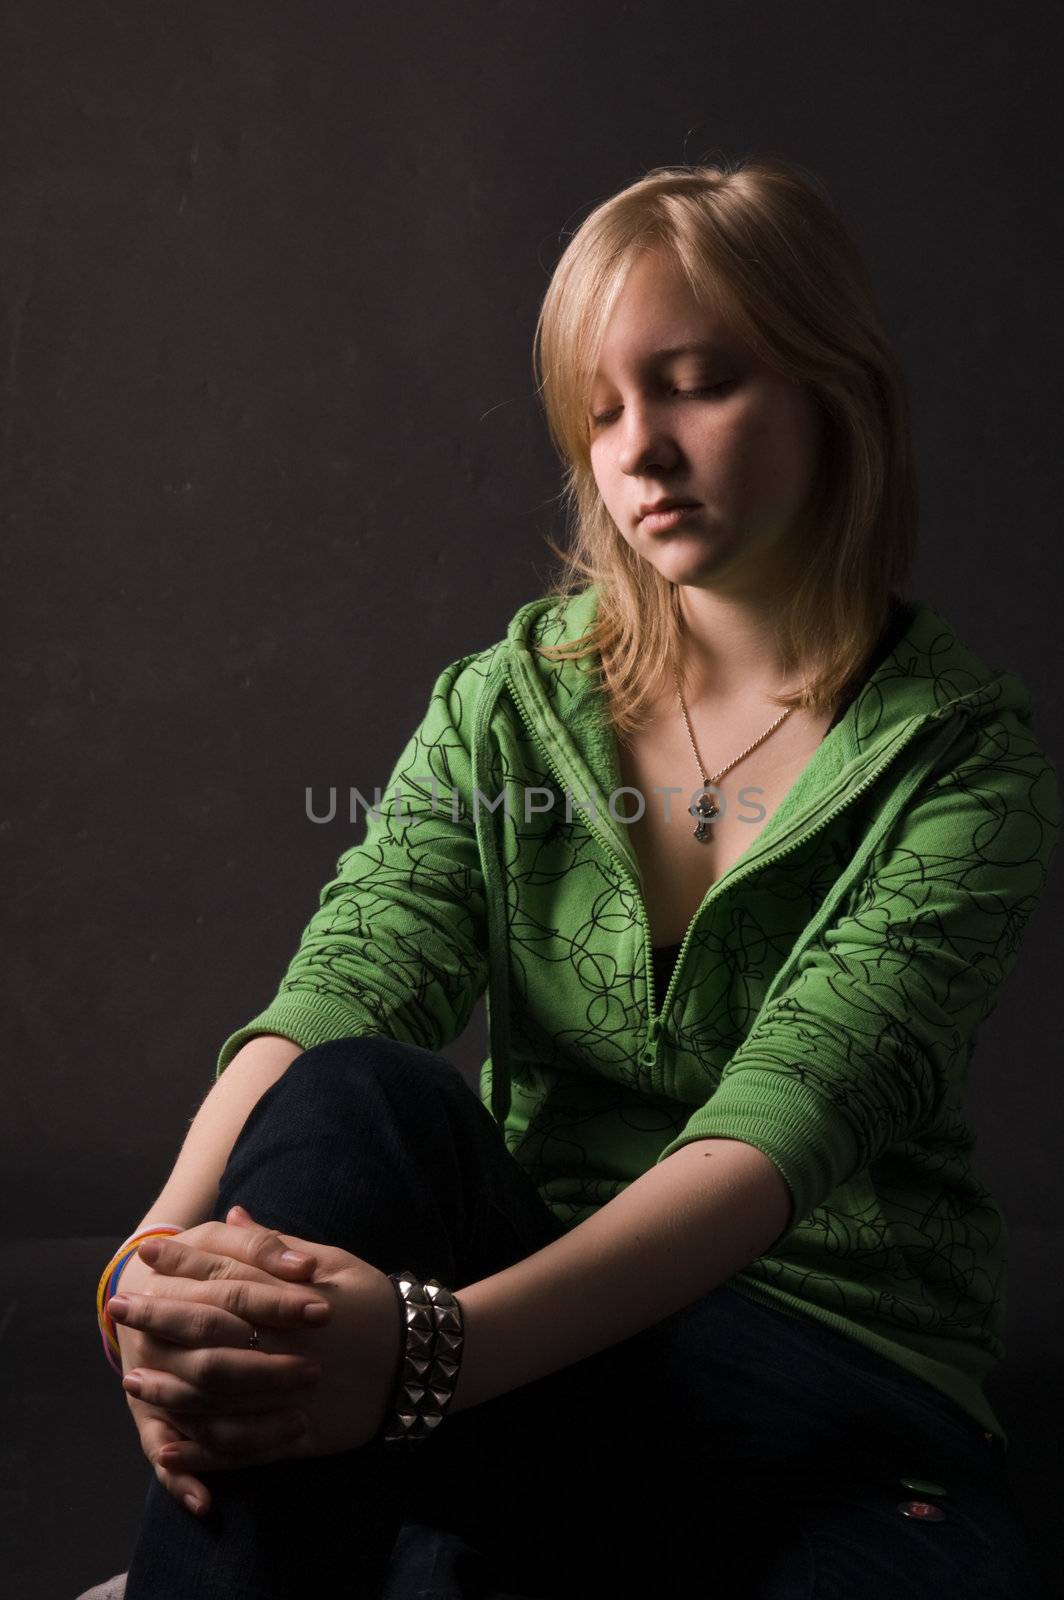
point(714, 388)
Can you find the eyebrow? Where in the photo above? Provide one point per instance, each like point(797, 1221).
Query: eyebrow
point(698, 347)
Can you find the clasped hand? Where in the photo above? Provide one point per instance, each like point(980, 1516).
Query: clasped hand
point(203, 1400)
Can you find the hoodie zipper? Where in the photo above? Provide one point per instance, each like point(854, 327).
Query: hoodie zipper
point(772, 856)
point(656, 1019)
point(612, 847)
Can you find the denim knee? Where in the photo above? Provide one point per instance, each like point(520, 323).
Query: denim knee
point(345, 1112)
point(337, 1063)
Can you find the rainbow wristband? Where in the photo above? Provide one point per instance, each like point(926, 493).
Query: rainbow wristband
point(109, 1283)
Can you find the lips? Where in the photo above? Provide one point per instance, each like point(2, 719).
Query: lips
point(671, 504)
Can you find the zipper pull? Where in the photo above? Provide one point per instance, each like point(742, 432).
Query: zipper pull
point(649, 1053)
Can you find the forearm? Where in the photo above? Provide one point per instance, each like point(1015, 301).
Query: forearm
point(189, 1194)
point(671, 1236)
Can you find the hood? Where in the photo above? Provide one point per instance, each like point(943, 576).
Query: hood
point(929, 678)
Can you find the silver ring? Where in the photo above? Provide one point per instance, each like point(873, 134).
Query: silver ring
point(253, 1342)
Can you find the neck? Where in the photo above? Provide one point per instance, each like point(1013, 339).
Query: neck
point(729, 645)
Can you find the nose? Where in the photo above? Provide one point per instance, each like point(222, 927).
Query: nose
point(646, 443)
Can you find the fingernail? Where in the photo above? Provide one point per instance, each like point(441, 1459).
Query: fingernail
point(292, 1258)
point(316, 1311)
point(118, 1305)
point(131, 1383)
point(192, 1503)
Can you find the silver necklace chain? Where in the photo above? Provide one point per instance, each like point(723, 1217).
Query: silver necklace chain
point(705, 807)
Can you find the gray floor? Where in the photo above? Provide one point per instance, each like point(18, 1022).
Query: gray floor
point(74, 1480)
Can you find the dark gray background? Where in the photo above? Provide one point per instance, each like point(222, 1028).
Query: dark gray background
point(271, 457)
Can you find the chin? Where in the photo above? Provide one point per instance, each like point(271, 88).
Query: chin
point(686, 565)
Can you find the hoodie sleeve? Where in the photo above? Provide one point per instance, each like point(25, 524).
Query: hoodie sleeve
point(398, 944)
point(866, 1039)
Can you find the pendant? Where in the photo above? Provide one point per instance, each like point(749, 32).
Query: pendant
point(705, 809)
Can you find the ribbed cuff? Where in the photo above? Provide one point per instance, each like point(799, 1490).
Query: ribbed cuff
point(305, 1017)
point(806, 1138)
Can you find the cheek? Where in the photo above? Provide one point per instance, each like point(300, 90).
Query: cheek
point(735, 446)
point(609, 483)
point(777, 452)
point(736, 455)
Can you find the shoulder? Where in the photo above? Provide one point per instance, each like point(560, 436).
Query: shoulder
point(459, 686)
point(974, 794)
point(546, 621)
point(984, 824)
point(993, 710)
point(926, 672)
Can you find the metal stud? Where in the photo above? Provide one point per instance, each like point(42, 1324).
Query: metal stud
point(433, 1332)
point(922, 1511)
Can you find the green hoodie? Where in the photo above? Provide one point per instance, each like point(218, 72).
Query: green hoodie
point(826, 995)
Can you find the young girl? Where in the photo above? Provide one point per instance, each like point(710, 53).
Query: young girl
point(702, 1285)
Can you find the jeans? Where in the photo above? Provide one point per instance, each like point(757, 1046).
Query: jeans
point(729, 1448)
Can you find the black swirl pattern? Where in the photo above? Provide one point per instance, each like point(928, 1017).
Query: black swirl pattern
point(826, 1002)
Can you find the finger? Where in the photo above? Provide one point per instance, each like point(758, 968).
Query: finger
point(239, 1442)
point(233, 1432)
point(156, 1433)
point(212, 1379)
point(192, 1321)
point(186, 1322)
point(173, 1257)
point(188, 1403)
point(262, 1248)
point(269, 1304)
point(219, 1373)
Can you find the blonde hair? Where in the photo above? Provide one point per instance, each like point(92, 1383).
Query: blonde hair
point(760, 244)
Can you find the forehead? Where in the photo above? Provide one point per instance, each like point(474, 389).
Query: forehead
point(647, 352)
point(657, 317)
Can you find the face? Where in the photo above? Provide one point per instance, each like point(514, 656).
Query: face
point(713, 425)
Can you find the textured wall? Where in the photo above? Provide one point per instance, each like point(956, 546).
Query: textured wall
point(271, 456)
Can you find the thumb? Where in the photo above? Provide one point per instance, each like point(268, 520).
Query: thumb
point(296, 1261)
